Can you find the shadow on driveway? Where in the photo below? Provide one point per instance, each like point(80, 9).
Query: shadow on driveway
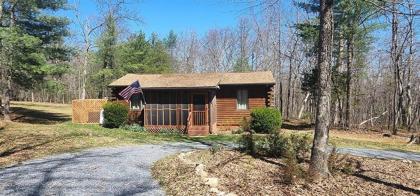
point(109, 171)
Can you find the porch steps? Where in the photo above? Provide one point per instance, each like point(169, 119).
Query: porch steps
point(198, 130)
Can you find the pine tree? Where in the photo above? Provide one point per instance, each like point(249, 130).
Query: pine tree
point(107, 53)
point(170, 44)
point(137, 55)
point(31, 43)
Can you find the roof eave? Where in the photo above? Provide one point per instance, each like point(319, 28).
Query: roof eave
point(260, 83)
point(152, 88)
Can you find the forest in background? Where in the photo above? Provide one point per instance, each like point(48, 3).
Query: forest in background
point(375, 73)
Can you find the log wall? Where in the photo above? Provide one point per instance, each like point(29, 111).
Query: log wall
point(228, 116)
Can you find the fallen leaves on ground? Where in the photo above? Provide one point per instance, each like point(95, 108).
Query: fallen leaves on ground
point(244, 175)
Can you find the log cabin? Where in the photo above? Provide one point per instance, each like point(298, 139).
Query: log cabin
point(196, 104)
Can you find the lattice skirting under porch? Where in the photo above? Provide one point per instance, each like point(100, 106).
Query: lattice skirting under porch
point(166, 129)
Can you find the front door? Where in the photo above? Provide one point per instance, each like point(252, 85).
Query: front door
point(199, 109)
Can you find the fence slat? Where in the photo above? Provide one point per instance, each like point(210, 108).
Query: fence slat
point(87, 111)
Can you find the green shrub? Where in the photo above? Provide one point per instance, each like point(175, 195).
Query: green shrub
point(134, 127)
point(342, 163)
point(237, 131)
point(293, 170)
point(115, 114)
point(265, 120)
point(247, 143)
point(216, 148)
point(277, 145)
point(300, 145)
point(280, 145)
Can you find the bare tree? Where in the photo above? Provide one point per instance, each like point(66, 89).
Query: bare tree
point(187, 53)
point(87, 33)
point(395, 65)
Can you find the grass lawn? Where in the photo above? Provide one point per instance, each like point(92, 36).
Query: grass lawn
point(40, 129)
point(368, 139)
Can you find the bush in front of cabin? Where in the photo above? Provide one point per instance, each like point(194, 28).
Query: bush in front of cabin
point(115, 114)
point(265, 120)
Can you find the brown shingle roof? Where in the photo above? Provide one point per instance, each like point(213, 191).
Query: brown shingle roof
point(198, 80)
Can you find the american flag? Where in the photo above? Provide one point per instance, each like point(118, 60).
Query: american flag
point(134, 88)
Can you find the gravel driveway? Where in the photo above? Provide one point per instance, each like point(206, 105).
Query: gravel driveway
point(113, 171)
point(100, 171)
point(381, 154)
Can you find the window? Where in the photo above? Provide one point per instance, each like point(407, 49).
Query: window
point(242, 99)
point(136, 102)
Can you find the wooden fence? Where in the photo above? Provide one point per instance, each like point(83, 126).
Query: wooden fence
point(87, 110)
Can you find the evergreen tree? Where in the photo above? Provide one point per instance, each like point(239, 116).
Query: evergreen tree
point(170, 41)
point(242, 65)
point(31, 43)
point(138, 55)
point(352, 29)
point(107, 45)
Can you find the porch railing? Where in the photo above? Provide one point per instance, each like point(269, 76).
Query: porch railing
point(199, 118)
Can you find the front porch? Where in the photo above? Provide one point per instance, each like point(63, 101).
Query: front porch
point(184, 111)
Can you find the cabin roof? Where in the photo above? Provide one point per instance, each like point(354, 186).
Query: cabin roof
point(196, 80)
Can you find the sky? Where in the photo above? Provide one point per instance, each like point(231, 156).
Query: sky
point(161, 16)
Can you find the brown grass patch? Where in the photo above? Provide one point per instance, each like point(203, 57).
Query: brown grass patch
point(178, 178)
point(22, 141)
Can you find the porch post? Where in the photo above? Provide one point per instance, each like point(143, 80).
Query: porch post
point(213, 112)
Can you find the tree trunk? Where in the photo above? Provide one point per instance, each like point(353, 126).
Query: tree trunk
point(279, 67)
point(84, 73)
point(7, 92)
point(1, 9)
point(320, 151)
point(410, 65)
point(303, 105)
point(415, 119)
point(101, 88)
point(334, 112)
point(292, 101)
point(289, 84)
point(281, 96)
point(350, 53)
point(394, 61)
point(337, 103)
point(2, 73)
point(341, 113)
point(6, 100)
point(85, 59)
